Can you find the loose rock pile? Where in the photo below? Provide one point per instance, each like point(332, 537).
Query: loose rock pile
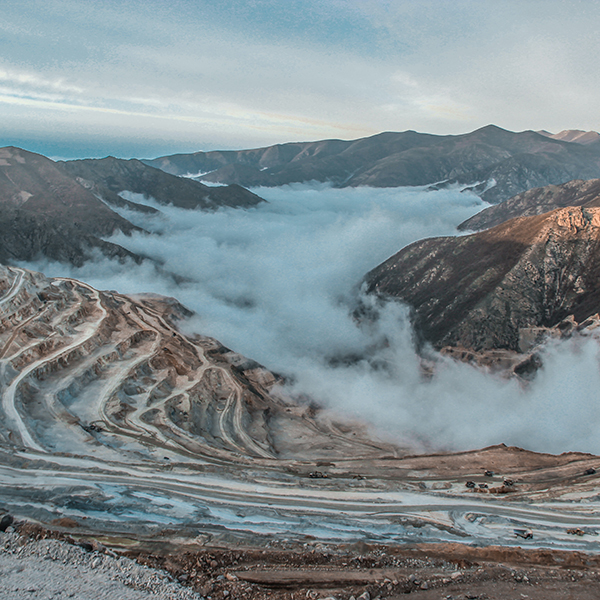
point(50, 568)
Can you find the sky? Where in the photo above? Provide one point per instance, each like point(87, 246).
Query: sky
point(148, 78)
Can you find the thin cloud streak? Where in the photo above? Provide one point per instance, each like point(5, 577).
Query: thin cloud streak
point(304, 70)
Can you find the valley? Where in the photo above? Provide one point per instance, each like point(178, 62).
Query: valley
point(102, 426)
point(379, 429)
point(299, 300)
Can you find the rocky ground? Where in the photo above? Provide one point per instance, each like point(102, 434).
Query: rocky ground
point(40, 563)
point(501, 288)
point(121, 438)
point(48, 568)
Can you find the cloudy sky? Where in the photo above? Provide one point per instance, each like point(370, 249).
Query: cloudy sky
point(152, 77)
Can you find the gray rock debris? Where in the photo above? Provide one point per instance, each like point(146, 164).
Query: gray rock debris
point(50, 568)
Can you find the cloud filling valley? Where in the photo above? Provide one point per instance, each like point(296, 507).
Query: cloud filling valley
point(279, 284)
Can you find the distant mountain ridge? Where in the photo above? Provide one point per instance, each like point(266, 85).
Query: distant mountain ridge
point(577, 136)
point(60, 211)
point(118, 175)
point(511, 162)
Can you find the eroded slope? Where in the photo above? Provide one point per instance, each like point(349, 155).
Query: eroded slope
point(83, 370)
point(487, 290)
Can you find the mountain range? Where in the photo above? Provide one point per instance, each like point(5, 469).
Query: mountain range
point(61, 211)
point(118, 175)
point(534, 268)
point(494, 162)
point(117, 424)
point(574, 135)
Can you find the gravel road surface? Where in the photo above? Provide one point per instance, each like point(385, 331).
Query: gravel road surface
point(53, 570)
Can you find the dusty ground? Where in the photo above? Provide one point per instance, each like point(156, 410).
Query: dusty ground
point(312, 570)
point(45, 568)
point(383, 572)
point(556, 496)
point(116, 429)
point(429, 571)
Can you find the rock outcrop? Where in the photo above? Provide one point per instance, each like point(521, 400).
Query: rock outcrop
point(491, 290)
point(536, 202)
point(496, 163)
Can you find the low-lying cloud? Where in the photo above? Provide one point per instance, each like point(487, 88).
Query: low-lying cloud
point(279, 282)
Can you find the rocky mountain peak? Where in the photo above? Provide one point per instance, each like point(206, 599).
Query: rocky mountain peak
point(577, 136)
point(482, 291)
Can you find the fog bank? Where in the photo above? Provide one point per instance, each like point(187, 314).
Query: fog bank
point(278, 283)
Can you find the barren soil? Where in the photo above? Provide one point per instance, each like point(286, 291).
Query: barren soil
point(119, 432)
point(37, 565)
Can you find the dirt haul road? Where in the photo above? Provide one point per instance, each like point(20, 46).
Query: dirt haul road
point(114, 420)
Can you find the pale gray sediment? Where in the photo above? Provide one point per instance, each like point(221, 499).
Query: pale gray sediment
point(50, 569)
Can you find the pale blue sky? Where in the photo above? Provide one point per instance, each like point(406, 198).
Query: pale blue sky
point(144, 78)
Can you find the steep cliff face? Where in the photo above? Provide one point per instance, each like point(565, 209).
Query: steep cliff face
point(488, 290)
point(536, 202)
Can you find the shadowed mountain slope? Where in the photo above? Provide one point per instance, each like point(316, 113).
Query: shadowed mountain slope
point(513, 162)
point(536, 202)
point(487, 290)
point(119, 175)
point(60, 211)
point(46, 213)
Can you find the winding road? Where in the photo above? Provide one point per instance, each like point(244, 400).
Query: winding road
point(111, 414)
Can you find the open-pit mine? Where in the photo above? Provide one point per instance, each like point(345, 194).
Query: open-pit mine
point(115, 422)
